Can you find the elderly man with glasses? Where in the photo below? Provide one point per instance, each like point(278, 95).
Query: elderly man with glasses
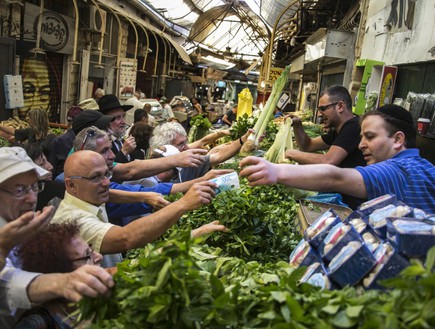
point(19, 187)
point(110, 105)
point(87, 181)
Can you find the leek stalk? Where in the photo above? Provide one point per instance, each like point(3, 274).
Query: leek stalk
point(267, 113)
point(283, 142)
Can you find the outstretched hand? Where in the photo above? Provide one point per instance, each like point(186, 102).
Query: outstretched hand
point(258, 171)
point(199, 194)
point(208, 228)
point(155, 200)
point(23, 227)
point(88, 280)
point(190, 158)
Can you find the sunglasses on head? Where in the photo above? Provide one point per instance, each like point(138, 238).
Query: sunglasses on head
point(90, 133)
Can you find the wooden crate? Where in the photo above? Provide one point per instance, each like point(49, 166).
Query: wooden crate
point(308, 214)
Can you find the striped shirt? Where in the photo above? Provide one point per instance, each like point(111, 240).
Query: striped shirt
point(407, 175)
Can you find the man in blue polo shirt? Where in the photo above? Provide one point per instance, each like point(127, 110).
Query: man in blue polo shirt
point(388, 143)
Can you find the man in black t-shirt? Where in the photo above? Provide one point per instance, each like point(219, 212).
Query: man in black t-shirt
point(341, 142)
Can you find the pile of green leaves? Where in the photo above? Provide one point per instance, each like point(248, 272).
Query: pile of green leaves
point(199, 127)
point(178, 283)
point(4, 142)
point(241, 126)
point(269, 135)
point(261, 221)
point(57, 131)
point(313, 130)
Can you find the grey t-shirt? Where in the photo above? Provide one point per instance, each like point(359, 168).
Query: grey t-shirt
point(192, 173)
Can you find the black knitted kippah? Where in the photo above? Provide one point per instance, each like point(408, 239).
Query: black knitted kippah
point(397, 112)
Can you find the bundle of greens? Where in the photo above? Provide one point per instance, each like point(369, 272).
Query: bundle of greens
point(199, 127)
point(261, 221)
point(312, 129)
point(241, 126)
point(267, 114)
point(283, 141)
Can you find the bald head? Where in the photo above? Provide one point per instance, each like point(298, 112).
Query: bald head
point(87, 177)
point(81, 162)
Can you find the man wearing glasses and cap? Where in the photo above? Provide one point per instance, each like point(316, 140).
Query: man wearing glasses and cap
point(19, 187)
point(110, 105)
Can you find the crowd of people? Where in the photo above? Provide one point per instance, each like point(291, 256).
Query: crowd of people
point(72, 205)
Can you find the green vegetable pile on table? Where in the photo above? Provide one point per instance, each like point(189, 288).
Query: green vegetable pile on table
point(180, 283)
point(241, 279)
point(261, 221)
point(199, 127)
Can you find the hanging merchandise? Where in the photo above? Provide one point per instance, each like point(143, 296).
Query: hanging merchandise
point(245, 103)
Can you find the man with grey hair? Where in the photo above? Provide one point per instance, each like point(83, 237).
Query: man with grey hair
point(173, 133)
point(142, 168)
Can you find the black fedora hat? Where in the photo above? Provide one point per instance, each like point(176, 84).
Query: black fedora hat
point(110, 102)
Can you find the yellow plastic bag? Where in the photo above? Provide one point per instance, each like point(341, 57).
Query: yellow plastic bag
point(245, 103)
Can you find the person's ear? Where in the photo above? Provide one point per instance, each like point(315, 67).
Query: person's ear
point(71, 187)
point(399, 139)
point(340, 106)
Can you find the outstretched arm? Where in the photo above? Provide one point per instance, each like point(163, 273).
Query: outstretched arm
point(146, 168)
point(308, 177)
point(334, 156)
point(146, 229)
point(155, 200)
point(222, 153)
point(88, 280)
point(210, 138)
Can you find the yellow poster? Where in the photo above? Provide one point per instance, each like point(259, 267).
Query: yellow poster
point(274, 74)
point(245, 103)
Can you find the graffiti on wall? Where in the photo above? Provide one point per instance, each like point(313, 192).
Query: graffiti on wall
point(41, 87)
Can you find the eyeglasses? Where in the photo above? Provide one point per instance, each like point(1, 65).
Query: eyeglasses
point(325, 107)
point(90, 133)
point(97, 179)
point(90, 254)
point(180, 146)
point(21, 190)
